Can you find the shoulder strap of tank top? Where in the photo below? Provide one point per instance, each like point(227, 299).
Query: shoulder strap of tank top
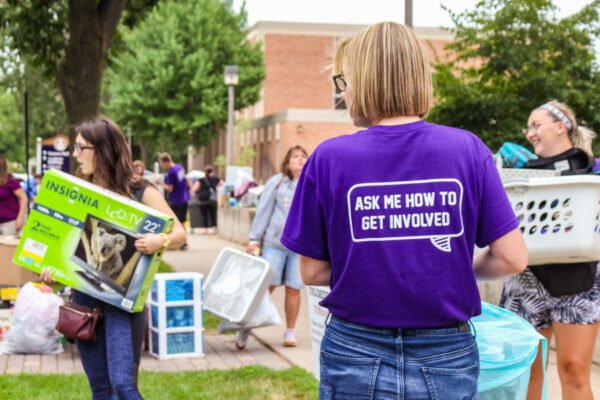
point(139, 193)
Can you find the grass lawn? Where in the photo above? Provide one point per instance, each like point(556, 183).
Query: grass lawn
point(211, 323)
point(253, 382)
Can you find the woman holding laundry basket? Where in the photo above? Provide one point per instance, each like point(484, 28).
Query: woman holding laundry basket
point(392, 234)
point(560, 300)
point(111, 361)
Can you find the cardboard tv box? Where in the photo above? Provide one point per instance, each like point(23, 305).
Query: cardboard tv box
point(12, 275)
point(85, 234)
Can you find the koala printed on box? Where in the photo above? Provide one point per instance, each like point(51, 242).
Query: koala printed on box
point(106, 250)
point(109, 250)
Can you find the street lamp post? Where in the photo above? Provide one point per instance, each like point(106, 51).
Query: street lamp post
point(231, 79)
point(408, 13)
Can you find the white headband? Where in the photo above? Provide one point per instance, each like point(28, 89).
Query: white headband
point(559, 114)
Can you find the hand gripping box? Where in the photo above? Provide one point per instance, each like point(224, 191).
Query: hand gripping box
point(85, 234)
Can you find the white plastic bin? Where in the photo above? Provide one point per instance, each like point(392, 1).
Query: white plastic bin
point(559, 217)
point(176, 326)
point(236, 285)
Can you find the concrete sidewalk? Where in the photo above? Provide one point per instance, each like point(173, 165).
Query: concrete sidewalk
point(200, 257)
point(220, 351)
point(203, 251)
point(265, 346)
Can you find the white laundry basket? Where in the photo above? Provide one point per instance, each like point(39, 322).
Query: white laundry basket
point(559, 217)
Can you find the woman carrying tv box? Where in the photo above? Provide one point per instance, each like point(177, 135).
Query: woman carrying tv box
point(111, 361)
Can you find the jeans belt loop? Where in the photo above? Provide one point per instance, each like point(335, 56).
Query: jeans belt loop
point(463, 326)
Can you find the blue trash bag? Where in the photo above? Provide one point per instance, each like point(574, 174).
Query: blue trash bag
point(514, 155)
point(507, 346)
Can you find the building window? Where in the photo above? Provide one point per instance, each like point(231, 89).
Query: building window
point(338, 101)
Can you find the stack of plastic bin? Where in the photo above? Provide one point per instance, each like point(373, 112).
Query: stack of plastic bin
point(176, 326)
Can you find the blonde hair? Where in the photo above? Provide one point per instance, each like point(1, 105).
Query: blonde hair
point(388, 72)
point(138, 163)
point(586, 144)
point(340, 49)
point(581, 137)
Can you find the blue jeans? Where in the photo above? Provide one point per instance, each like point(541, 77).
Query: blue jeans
point(286, 266)
point(362, 362)
point(111, 361)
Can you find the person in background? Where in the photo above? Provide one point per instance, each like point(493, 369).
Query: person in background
point(400, 268)
point(139, 168)
point(560, 300)
point(206, 190)
point(111, 362)
point(271, 213)
point(37, 178)
point(29, 185)
point(13, 201)
point(38, 181)
point(178, 186)
point(588, 137)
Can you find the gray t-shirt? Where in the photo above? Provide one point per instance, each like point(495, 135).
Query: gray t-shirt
point(273, 207)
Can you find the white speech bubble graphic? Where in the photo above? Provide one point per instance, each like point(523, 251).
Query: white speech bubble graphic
point(384, 211)
point(442, 243)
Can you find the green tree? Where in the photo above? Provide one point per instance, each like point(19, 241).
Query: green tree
point(69, 41)
point(11, 128)
point(168, 88)
point(46, 109)
point(511, 56)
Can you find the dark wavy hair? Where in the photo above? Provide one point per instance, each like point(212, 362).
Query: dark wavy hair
point(113, 166)
point(285, 164)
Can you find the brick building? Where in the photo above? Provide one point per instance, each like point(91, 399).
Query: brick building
point(299, 104)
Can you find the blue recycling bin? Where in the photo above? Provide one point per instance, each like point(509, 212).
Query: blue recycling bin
point(508, 345)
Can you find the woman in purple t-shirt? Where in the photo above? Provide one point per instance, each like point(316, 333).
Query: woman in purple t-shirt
point(13, 201)
point(388, 217)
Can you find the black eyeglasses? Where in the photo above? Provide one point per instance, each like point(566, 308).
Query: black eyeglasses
point(339, 82)
point(79, 148)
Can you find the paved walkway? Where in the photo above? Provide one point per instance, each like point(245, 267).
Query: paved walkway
point(220, 351)
point(204, 250)
point(265, 346)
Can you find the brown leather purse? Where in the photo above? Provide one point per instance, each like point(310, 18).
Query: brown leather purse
point(78, 322)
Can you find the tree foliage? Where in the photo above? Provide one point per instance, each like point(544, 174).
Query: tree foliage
point(511, 56)
point(40, 29)
point(168, 87)
point(68, 42)
point(46, 115)
point(46, 109)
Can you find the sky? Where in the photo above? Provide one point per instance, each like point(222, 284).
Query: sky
point(426, 13)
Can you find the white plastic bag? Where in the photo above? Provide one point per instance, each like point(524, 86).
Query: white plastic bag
point(33, 321)
point(265, 315)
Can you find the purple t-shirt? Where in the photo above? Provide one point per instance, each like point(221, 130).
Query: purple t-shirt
point(9, 203)
point(397, 211)
point(176, 177)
